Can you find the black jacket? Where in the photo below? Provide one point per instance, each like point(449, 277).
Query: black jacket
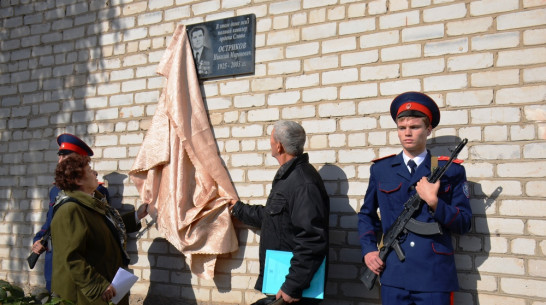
point(294, 218)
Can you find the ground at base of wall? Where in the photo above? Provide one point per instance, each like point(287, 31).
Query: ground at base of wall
point(160, 300)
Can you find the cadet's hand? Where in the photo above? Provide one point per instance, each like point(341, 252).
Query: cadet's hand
point(108, 294)
point(285, 297)
point(142, 211)
point(373, 262)
point(37, 247)
point(428, 192)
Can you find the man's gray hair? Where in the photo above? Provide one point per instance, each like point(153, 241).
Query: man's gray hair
point(291, 135)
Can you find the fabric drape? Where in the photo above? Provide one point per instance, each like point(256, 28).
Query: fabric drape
point(178, 170)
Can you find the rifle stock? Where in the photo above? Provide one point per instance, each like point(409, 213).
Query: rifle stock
point(368, 277)
point(33, 257)
point(413, 204)
point(279, 301)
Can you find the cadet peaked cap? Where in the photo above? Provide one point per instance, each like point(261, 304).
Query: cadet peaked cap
point(415, 104)
point(69, 143)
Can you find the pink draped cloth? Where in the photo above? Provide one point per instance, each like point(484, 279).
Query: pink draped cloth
point(178, 171)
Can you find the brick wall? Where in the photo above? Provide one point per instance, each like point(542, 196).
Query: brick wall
point(88, 68)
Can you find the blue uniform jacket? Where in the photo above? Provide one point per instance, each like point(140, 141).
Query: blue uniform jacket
point(429, 265)
point(48, 264)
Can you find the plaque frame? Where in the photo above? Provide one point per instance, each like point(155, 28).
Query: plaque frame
point(226, 46)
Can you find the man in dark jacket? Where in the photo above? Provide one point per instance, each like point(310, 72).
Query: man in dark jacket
point(295, 216)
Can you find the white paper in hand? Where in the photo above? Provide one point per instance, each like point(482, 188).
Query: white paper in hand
point(123, 281)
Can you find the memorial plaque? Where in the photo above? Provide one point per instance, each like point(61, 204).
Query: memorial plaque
point(223, 47)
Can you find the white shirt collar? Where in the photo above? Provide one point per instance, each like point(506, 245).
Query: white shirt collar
point(200, 50)
point(418, 160)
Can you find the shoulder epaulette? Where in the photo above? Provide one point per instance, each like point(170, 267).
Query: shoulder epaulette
point(385, 157)
point(446, 158)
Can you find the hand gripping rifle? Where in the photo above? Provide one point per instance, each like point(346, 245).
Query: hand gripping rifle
point(33, 257)
point(405, 222)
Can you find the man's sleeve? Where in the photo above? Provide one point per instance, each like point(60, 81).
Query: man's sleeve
point(369, 224)
point(103, 190)
point(456, 214)
point(249, 214)
point(45, 226)
point(52, 195)
point(130, 221)
point(309, 217)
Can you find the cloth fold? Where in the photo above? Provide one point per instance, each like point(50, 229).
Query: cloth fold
point(178, 170)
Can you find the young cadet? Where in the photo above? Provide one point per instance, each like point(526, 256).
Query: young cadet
point(428, 275)
point(68, 144)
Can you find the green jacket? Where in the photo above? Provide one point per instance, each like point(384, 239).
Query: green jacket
point(86, 253)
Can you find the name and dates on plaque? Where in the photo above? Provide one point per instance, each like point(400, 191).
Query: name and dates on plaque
point(223, 47)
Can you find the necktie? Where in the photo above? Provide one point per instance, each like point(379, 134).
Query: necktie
point(412, 166)
point(197, 56)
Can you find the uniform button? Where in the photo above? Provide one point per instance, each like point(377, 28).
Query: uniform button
point(412, 244)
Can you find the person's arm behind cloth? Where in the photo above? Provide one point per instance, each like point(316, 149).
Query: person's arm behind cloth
point(132, 219)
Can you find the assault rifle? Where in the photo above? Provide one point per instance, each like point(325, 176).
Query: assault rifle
point(405, 222)
point(33, 257)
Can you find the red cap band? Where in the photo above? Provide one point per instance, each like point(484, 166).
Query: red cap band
point(74, 148)
point(415, 106)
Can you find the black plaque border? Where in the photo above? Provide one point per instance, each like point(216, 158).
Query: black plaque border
point(240, 51)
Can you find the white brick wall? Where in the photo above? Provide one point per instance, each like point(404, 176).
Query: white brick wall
point(332, 65)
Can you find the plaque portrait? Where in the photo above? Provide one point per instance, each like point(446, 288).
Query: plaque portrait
point(223, 47)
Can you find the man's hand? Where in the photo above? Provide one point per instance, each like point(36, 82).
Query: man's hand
point(285, 297)
point(37, 247)
point(373, 262)
point(428, 192)
point(109, 293)
point(231, 205)
point(142, 211)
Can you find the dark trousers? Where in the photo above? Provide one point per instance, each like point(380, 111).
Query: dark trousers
point(398, 296)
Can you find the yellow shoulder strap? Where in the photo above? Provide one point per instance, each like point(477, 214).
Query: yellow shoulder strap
point(433, 163)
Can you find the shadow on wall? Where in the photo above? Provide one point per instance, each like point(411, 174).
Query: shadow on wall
point(472, 249)
point(443, 145)
point(57, 70)
point(476, 245)
point(115, 188)
point(343, 223)
point(170, 277)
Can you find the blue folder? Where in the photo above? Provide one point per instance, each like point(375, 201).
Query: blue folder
point(276, 268)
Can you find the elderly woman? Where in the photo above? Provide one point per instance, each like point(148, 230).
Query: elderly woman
point(88, 236)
